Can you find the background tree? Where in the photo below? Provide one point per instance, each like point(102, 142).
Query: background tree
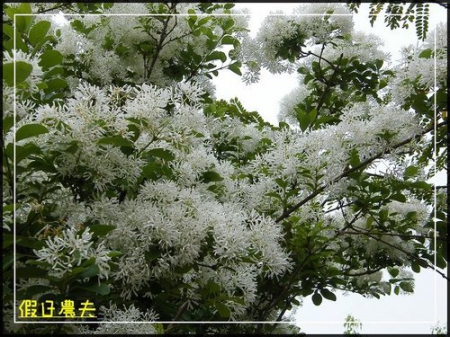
point(401, 13)
point(352, 325)
point(129, 183)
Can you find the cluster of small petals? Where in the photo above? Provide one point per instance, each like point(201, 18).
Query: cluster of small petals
point(421, 73)
point(131, 315)
point(324, 21)
point(365, 47)
point(65, 252)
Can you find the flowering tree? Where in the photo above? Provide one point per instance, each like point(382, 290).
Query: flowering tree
point(127, 182)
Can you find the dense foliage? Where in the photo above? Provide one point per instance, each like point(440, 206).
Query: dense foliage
point(126, 182)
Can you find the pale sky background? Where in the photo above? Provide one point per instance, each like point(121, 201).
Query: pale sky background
point(408, 314)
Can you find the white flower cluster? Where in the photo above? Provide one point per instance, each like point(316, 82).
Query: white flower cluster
point(399, 210)
point(290, 101)
point(177, 222)
point(325, 21)
point(369, 278)
point(362, 46)
point(171, 220)
point(425, 70)
point(8, 100)
point(88, 116)
point(128, 322)
point(365, 47)
point(314, 23)
point(70, 250)
point(135, 48)
point(35, 76)
point(362, 128)
point(247, 136)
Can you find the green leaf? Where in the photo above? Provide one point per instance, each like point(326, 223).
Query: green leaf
point(313, 115)
point(328, 294)
point(211, 176)
point(152, 255)
point(23, 23)
point(384, 214)
point(90, 271)
point(216, 55)
point(398, 197)
point(421, 185)
point(317, 299)
point(354, 158)
point(303, 118)
point(8, 122)
point(25, 151)
point(204, 20)
point(8, 239)
point(114, 253)
point(30, 130)
point(406, 286)
point(235, 68)
point(393, 271)
point(411, 171)
point(415, 267)
point(426, 54)
point(228, 39)
point(101, 289)
point(37, 289)
point(116, 141)
point(396, 290)
point(101, 230)
point(223, 310)
point(274, 195)
point(8, 30)
point(379, 63)
point(38, 32)
point(23, 70)
point(162, 153)
point(183, 269)
point(50, 58)
point(31, 272)
point(7, 261)
point(440, 261)
point(228, 24)
point(55, 84)
point(281, 182)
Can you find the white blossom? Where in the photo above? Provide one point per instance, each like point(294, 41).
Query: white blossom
point(65, 252)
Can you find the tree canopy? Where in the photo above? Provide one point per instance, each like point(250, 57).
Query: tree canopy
point(126, 182)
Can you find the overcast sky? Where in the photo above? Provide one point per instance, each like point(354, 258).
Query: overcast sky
point(415, 313)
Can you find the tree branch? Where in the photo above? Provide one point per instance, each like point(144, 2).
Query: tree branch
point(396, 234)
point(405, 252)
point(353, 169)
point(299, 269)
point(180, 312)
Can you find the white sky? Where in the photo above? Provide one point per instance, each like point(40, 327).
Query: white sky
point(415, 313)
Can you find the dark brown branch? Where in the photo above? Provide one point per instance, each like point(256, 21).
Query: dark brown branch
point(160, 44)
point(68, 5)
point(367, 272)
point(329, 84)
